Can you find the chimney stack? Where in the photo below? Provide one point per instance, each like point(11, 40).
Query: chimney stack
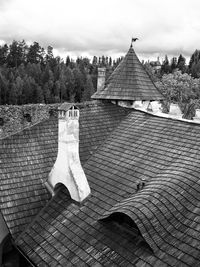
point(67, 169)
point(101, 79)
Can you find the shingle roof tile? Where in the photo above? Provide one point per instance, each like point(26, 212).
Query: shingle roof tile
point(166, 154)
point(129, 81)
point(26, 159)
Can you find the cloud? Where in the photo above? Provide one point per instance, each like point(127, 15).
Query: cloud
point(104, 27)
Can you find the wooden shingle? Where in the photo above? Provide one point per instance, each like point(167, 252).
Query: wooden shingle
point(26, 158)
point(162, 152)
point(129, 81)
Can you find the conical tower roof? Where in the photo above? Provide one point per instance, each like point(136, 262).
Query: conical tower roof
point(129, 81)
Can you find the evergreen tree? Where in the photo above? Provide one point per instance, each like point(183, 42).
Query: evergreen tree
point(181, 64)
point(19, 87)
point(173, 64)
point(26, 90)
point(13, 94)
point(35, 53)
point(94, 61)
point(16, 54)
point(88, 90)
point(49, 55)
point(68, 61)
point(69, 94)
point(194, 58)
point(110, 61)
point(3, 89)
point(194, 63)
point(3, 54)
point(78, 84)
point(38, 95)
point(46, 93)
point(165, 67)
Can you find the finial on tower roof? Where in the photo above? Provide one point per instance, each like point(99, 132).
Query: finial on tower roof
point(133, 40)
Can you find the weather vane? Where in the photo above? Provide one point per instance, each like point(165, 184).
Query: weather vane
point(133, 40)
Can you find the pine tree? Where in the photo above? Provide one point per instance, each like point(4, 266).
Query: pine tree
point(88, 89)
point(193, 67)
point(3, 89)
point(181, 64)
point(165, 67)
point(35, 53)
point(19, 87)
point(173, 64)
point(68, 61)
point(110, 61)
point(94, 61)
point(3, 54)
point(16, 54)
point(13, 94)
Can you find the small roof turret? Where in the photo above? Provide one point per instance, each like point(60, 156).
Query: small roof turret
point(129, 81)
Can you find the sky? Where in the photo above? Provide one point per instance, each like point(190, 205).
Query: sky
point(104, 27)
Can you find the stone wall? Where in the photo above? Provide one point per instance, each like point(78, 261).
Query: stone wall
point(15, 118)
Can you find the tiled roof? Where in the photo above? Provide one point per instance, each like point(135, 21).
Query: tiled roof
point(129, 81)
point(95, 124)
point(26, 159)
point(162, 152)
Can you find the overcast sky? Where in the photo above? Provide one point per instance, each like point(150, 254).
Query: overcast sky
point(97, 27)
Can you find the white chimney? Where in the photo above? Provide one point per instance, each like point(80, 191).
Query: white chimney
point(175, 111)
point(101, 79)
point(67, 169)
point(197, 115)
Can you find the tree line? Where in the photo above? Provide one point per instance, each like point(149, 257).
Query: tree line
point(31, 74)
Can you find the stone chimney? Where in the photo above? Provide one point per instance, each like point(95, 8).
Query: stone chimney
point(101, 79)
point(175, 111)
point(67, 169)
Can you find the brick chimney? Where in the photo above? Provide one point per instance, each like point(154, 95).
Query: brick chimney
point(67, 169)
point(101, 79)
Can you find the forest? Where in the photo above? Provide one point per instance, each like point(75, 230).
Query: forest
point(31, 74)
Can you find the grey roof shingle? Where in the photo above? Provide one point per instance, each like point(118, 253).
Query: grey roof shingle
point(129, 81)
point(166, 154)
point(26, 159)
